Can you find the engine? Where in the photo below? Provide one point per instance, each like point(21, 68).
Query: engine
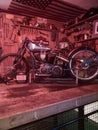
point(53, 70)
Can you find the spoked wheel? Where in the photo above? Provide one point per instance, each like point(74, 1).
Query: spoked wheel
point(11, 65)
point(84, 64)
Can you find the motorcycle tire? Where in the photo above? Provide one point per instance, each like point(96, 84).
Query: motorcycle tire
point(11, 65)
point(83, 64)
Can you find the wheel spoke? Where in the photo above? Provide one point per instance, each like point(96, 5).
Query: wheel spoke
point(86, 63)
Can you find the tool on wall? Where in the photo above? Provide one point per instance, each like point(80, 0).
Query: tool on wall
point(54, 32)
point(15, 31)
point(6, 31)
point(1, 21)
point(45, 34)
point(1, 26)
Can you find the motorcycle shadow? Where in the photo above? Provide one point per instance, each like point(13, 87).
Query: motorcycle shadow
point(56, 85)
point(65, 81)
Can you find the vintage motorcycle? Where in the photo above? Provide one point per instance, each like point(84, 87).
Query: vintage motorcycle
point(32, 57)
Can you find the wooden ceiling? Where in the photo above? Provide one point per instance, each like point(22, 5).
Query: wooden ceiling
point(58, 10)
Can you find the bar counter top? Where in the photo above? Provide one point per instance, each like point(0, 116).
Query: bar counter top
point(24, 103)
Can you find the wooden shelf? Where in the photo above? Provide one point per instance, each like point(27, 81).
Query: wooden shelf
point(90, 39)
point(26, 26)
point(83, 21)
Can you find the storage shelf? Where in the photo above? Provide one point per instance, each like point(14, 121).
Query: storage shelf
point(26, 26)
point(89, 39)
point(83, 21)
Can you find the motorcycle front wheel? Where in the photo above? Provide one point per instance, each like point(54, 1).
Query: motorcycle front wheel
point(11, 65)
point(83, 64)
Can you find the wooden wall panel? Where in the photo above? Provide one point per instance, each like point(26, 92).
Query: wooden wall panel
point(14, 27)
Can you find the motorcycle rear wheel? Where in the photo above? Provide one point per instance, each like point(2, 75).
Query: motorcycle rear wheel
point(83, 64)
point(11, 65)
